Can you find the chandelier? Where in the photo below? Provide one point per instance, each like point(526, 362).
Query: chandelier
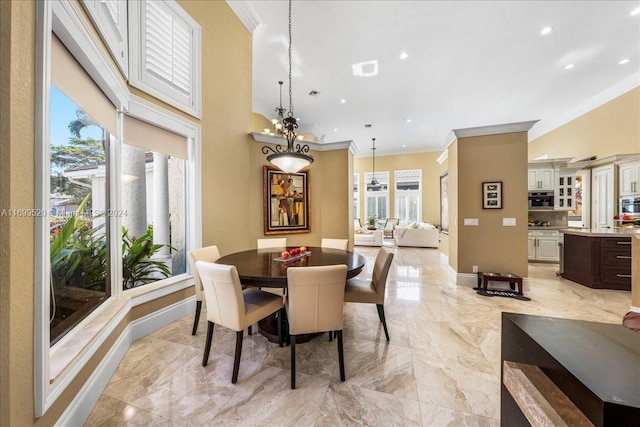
point(294, 157)
point(374, 182)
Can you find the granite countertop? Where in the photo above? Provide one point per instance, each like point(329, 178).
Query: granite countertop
point(547, 227)
point(617, 231)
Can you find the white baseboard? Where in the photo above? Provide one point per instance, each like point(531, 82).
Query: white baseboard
point(78, 411)
point(471, 279)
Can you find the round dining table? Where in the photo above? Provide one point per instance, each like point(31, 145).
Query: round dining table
point(265, 268)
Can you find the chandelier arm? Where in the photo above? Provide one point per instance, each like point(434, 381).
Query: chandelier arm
point(266, 149)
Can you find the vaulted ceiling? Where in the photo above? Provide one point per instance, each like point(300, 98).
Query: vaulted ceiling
point(467, 64)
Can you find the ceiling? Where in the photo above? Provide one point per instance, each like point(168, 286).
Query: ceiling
point(469, 63)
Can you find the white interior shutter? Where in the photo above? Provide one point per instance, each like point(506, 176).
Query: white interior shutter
point(165, 41)
point(110, 19)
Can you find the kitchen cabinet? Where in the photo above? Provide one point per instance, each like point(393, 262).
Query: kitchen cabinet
point(540, 179)
point(629, 178)
point(542, 245)
point(565, 193)
point(598, 262)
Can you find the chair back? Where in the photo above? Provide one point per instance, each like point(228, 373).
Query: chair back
point(208, 253)
point(315, 298)
point(391, 223)
point(335, 243)
point(280, 242)
point(223, 294)
point(380, 273)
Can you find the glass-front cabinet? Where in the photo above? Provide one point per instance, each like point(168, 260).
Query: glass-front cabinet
point(566, 192)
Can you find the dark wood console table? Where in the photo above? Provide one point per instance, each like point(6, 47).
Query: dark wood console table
point(595, 365)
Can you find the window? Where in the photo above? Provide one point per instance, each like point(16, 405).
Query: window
point(408, 195)
point(77, 216)
point(165, 53)
point(377, 196)
point(153, 203)
point(356, 195)
point(80, 260)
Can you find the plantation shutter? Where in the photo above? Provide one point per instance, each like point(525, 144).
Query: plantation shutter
point(166, 53)
point(110, 19)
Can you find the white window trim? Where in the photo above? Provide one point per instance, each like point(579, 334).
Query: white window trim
point(137, 73)
point(383, 178)
point(70, 25)
point(356, 184)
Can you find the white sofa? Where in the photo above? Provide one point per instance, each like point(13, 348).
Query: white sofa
point(421, 235)
point(367, 238)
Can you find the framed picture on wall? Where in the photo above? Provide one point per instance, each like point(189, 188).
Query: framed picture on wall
point(286, 202)
point(492, 195)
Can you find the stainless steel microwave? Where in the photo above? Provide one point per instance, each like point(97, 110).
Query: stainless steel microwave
point(541, 200)
point(630, 206)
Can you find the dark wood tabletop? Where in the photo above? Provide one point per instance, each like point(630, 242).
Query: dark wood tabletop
point(258, 267)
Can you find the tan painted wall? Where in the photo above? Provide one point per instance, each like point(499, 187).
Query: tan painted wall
point(613, 128)
point(17, 53)
point(226, 121)
point(430, 180)
point(491, 246)
point(452, 163)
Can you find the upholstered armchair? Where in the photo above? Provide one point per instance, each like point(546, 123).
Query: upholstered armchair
point(390, 227)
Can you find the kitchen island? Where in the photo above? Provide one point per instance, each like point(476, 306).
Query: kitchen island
point(598, 259)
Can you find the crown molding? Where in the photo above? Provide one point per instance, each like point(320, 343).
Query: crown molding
point(603, 97)
point(315, 146)
point(246, 13)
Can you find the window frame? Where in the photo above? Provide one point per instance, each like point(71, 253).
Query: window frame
point(383, 179)
point(55, 367)
point(356, 195)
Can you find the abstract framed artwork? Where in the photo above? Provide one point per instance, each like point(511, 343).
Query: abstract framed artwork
point(286, 203)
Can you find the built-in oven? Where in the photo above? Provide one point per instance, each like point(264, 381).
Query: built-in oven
point(630, 206)
point(539, 200)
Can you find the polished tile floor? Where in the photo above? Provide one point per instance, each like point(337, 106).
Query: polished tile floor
point(442, 366)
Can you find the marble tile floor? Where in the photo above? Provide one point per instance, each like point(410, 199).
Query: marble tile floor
point(441, 367)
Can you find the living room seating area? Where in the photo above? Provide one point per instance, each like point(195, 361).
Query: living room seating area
point(418, 234)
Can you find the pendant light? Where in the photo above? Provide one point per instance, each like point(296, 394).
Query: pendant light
point(374, 182)
point(294, 157)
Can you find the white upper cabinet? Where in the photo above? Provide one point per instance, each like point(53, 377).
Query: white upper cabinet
point(165, 46)
point(110, 19)
point(540, 179)
point(629, 175)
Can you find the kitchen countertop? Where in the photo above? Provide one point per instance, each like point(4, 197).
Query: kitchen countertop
point(618, 231)
point(547, 227)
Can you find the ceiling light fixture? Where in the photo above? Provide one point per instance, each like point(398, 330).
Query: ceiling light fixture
point(294, 157)
point(404, 55)
point(568, 67)
point(343, 101)
point(546, 30)
point(374, 182)
point(624, 61)
point(635, 12)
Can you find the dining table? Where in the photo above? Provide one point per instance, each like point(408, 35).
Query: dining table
point(266, 268)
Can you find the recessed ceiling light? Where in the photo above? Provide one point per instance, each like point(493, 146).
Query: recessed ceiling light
point(546, 30)
point(635, 12)
point(404, 55)
point(404, 146)
point(624, 61)
point(342, 101)
point(365, 69)
point(407, 120)
point(568, 67)
point(335, 129)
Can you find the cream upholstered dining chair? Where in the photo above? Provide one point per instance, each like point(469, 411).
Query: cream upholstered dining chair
point(335, 243)
point(208, 253)
point(280, 242)
point(315, 304)
point(229, 306)
point(372, 291)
